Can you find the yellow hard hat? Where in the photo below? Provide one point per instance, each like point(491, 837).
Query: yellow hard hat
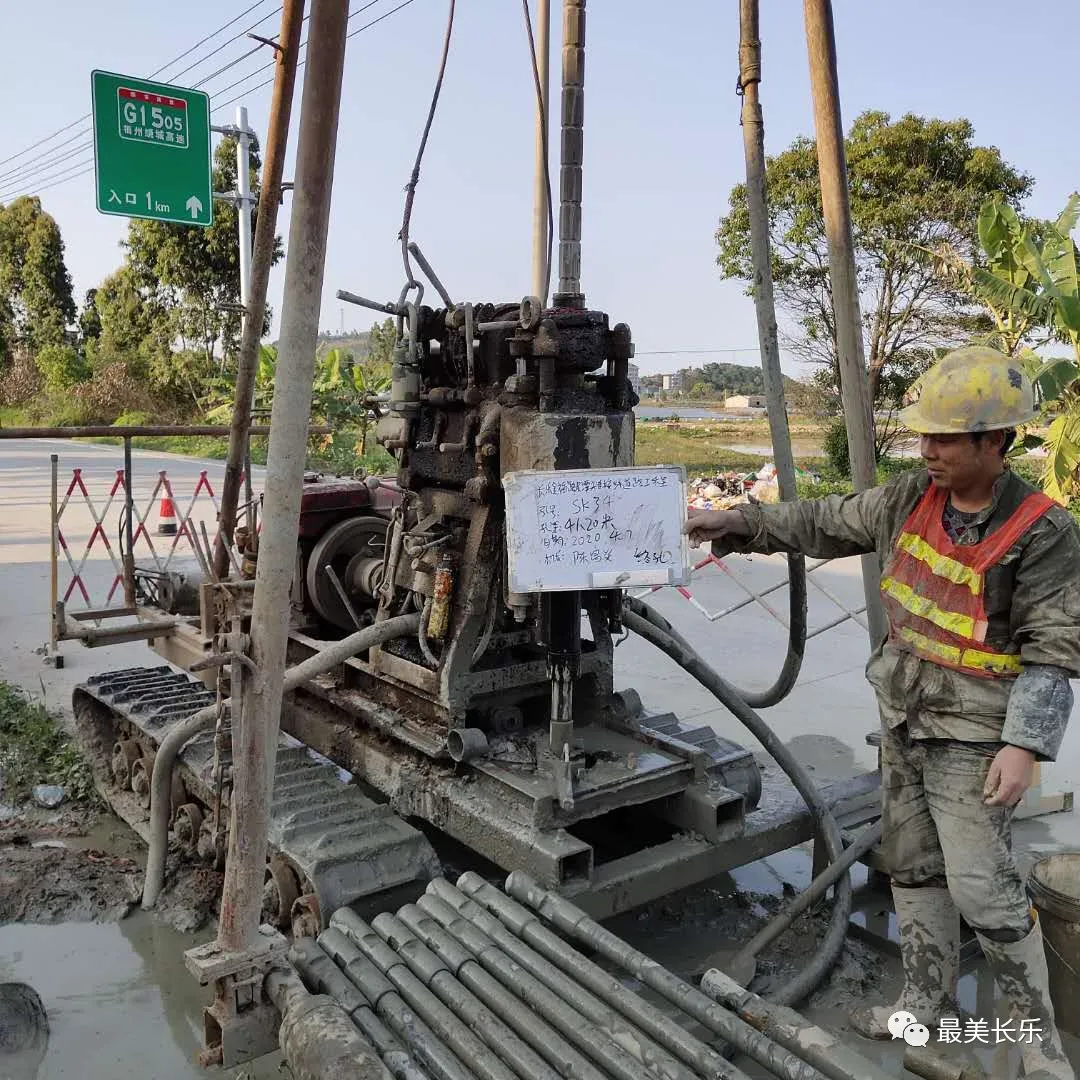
point(970, 390)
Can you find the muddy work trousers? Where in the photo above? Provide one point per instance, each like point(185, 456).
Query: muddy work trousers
point(936, 829)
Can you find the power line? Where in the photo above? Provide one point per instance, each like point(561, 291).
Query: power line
point(267, 82)
point(87, 166)
point(223, 45)
point(186, 52)
point(63, 151)
point(21, 179)
point(693, 352)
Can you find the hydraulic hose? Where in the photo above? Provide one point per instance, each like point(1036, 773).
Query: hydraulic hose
point(674, 646)
point(178, 737)
point(796, 645)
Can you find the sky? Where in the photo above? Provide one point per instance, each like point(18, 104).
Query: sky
point(663, 146)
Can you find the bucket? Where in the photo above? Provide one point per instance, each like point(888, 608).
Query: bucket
point(1054, 884)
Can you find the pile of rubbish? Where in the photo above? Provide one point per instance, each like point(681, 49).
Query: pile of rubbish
point(732, 488)
point(725, 490)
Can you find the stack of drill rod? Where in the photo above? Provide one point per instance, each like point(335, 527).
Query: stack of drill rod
point(471, 982)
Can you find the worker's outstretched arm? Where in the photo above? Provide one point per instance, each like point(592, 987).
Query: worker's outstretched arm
point(828, 528)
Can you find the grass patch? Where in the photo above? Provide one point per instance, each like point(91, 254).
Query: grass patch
point(35, 749)
point(699, 448)
point(734, 430)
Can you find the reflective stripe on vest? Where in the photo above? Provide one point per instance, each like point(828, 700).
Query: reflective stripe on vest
point(933, 589)
point(942, 565)
point(952, 656)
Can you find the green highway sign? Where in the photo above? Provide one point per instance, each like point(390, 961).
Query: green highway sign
point(152, 150)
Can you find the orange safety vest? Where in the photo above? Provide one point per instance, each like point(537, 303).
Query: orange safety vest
point(934, 589)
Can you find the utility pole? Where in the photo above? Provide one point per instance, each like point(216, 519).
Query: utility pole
point(753, 126)
point(832, 169)
point(244, 206)
point(255, 730)
point(541, 207)
point(572, 154)
point(292, 17)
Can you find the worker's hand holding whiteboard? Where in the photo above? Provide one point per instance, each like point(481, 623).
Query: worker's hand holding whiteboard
point(580, 529)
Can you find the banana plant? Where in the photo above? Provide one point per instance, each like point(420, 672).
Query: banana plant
point(264, 388)
point(346, 392)
point(1029, 281)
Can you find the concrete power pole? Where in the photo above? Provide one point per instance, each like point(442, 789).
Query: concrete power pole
point(832, 168)
point(255, 730)
point(764, 305)
point(292, 17)
point(541, 207)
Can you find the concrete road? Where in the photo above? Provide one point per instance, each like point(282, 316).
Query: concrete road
point(825, 719)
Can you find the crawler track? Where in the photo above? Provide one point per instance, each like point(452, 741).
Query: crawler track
point(330, 845)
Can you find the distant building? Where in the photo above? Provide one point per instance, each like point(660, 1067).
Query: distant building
point(633, 373)
point(672, 384)
point(745, 401)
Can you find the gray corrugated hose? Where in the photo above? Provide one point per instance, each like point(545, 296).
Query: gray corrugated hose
point(178, 737)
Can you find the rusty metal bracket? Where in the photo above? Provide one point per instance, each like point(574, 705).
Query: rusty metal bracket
point(242, 1023)
point(275, 45)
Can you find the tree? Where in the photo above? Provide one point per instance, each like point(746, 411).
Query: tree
point(1027, 276)
point(193, 275)
point(89, 319)
point(915, 183)
point(35, 287)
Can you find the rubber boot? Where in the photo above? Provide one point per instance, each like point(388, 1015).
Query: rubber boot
point(1019, 969)
point(929, 927)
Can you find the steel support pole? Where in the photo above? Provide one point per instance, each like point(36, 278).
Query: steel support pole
point(832, 169)
point(54, 551)
point(255, 731)
point(754, 150)
point(571, 154)
point(292, 17)
point(540, 180)
point(129, 533)
point(244, 208)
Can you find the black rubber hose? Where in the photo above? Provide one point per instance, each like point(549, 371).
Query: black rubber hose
point(833, 943)
point(796, 648)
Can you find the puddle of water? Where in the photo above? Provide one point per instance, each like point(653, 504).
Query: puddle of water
point(121, 1004)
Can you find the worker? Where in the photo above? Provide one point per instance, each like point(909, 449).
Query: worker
point(981, 585)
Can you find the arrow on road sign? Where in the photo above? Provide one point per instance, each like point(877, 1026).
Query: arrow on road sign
point(194, 207)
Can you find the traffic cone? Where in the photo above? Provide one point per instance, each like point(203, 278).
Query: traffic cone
point(166, 518)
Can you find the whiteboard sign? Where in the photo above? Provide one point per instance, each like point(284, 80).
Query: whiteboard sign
point(580, 529)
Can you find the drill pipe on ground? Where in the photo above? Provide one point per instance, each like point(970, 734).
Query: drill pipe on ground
point(438, 977)
point(573, 921)
point(588, 1037)
point(822, 1048)
point(609, 1020)
point(559, 1053)
point(321, 973)
point(528, 926)
point(317, 1037)
point(442, 1063)
point(481, 1060)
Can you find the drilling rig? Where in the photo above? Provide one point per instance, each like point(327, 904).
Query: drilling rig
point(494, 718)
point(426, 698)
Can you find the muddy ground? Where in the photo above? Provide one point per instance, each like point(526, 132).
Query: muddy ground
point(78, 863)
